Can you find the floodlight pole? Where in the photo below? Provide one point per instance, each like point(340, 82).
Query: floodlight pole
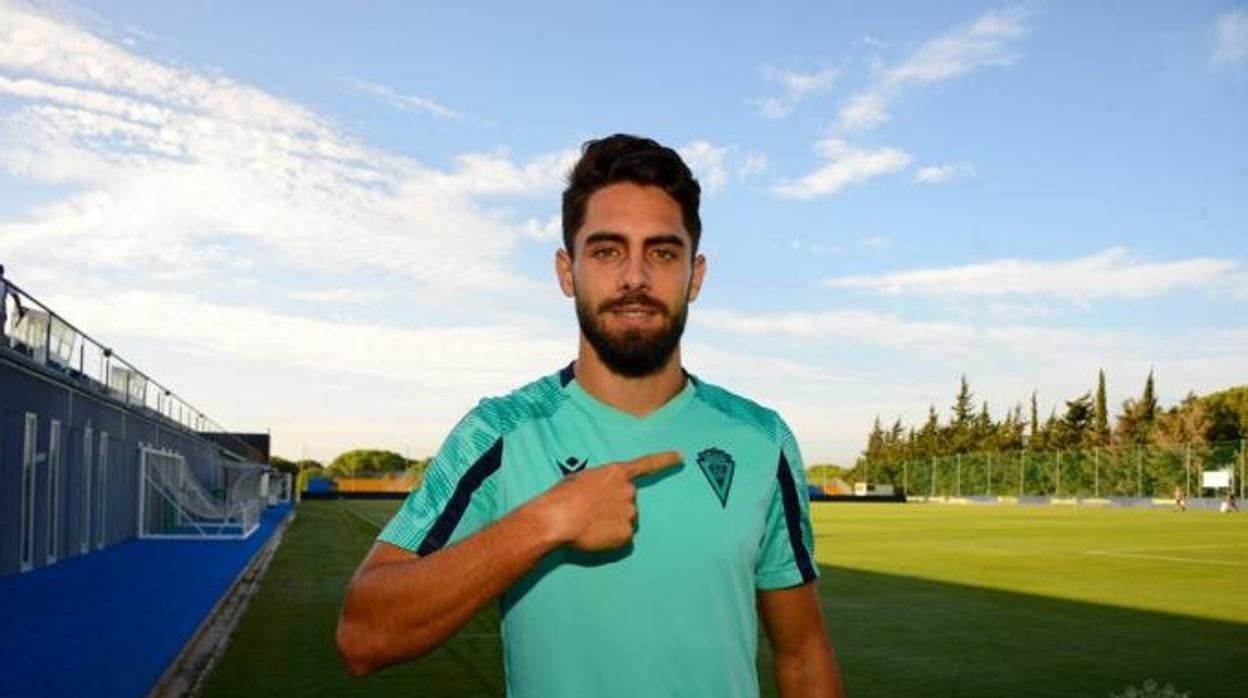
point(958, 486)
point(1139, 471)
point(932, 484)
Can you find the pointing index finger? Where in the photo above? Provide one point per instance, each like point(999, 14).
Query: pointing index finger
point(652, 463)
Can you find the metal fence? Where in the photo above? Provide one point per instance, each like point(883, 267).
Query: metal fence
point(1132, 471)
point(29, 327)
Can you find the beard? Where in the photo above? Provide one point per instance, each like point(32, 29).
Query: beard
point(632, 353)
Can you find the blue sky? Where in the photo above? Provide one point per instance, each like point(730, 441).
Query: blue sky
point(339, 224)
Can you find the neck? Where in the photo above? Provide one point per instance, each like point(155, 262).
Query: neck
point(636, 396)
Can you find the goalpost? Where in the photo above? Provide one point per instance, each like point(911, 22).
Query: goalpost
point(174, 504)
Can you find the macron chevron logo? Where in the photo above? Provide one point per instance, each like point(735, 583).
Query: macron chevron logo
point(571, 465)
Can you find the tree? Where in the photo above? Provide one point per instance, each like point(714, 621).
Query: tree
point(1035, 416)
point(1184, 423)
point(282, 465)
point(1135, 424)
point(1148, 401)
point(963, 405)
point(961, 430)
point(982, 435)
point(1228, 414)
point(367, 461)
point(1100, 418)
point(929, 441)
point(1075, 428)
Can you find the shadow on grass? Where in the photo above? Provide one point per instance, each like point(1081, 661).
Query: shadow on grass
point(901, 636)
point(895, 636)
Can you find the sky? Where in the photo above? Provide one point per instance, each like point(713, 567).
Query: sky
point(339, 224)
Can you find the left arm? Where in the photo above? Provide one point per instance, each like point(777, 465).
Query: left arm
point(802, 655)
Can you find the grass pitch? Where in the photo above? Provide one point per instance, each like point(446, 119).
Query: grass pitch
point(920, 600)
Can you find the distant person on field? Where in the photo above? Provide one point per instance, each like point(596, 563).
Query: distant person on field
point(634, 521)
point(1179, 503)
point(1228, 504)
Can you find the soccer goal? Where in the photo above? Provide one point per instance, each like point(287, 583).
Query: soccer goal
point(174, 504)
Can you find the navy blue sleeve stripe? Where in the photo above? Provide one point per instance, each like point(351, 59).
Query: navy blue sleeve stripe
point(793, 519)
point(476, 475)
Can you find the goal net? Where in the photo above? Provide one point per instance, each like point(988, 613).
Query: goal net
point(174, 504)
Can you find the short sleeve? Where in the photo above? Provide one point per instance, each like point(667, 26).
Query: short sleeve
point(456, 497)
point(787, 554)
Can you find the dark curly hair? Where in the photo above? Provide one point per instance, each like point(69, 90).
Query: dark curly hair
point(625, 158)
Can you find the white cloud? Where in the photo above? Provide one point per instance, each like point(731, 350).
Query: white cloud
point(844, 326)
point(987, 42)
point(939, 174)
point(173, 170)
point(495, 174)
point(815, 247)
point(846, 165)
point(402, 101)
point(460, 357)
point(544, 231)
point(863, 111)
point(707, 162)
point(752, 164)
point(1230, 37)
point(1112, 273)
point(340, 295)
point(795, 88)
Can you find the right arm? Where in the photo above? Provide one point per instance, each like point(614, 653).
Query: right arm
point(400, 605)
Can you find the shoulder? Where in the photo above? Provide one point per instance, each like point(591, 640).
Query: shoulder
point(500, 415)
point(479, 434)
point(745, 411)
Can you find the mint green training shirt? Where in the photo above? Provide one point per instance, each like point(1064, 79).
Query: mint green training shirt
point(671, 614)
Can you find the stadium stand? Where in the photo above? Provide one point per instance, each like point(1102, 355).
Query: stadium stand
point(98, 463)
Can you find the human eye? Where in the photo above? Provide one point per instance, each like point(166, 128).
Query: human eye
point(665, 254)
point(604, 252)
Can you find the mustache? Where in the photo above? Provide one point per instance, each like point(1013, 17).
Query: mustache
point(633, 299)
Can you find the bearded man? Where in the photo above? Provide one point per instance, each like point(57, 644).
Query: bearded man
point(633, 520)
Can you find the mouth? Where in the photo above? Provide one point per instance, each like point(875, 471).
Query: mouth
point(633, 314)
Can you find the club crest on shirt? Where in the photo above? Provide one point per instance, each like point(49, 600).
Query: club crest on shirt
point(571, 465)
point(717, 465)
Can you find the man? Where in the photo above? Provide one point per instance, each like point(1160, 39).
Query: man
point(635, 521)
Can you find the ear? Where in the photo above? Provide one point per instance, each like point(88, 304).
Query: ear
point(563, 271)
point(695, 282)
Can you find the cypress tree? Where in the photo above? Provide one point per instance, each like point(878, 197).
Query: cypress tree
point(1100, 427)
point(1148, 401)
point(1035, 418)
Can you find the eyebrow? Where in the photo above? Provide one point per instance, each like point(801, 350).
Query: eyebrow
point(652, 241)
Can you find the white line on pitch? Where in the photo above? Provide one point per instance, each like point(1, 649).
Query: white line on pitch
point(1166, 558)
point(1152, 548)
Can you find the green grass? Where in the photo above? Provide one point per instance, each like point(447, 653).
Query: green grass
point(920, 600)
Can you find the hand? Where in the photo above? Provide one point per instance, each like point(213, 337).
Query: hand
point(597, 509)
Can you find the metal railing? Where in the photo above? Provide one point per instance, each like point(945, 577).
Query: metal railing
point(1097, 472)
point(32, 329)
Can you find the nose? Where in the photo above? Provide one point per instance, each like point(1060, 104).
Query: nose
point(636, 274)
